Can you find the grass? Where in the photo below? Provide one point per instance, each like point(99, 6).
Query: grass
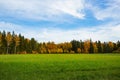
point(60, 67)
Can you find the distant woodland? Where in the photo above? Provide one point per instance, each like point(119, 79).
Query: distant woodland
point(11, 43)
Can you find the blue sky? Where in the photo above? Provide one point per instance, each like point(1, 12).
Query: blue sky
point(62, 20)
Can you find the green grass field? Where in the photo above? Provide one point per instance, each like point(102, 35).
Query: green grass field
point(60, 67)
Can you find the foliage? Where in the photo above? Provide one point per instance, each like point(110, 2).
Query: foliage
point(18, 44)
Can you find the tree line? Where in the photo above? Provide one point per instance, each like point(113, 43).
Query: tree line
point(11, 43)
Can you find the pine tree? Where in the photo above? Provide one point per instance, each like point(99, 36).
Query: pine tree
point(21, 46)
point(99, 46)
point(91, 49)
point(118, 44)
point(82, 46)
point(4, 43)
point(0, 42)
point(12, 45)
point(75, 45)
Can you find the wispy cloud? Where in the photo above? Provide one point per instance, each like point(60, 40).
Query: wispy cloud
point(111, 11)
point(42, 9)
point(103, 33)
point(55, 10)
point(9, 26)
point(108, 32)
point(61, 10)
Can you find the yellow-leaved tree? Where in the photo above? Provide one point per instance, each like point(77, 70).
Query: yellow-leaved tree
point(8, 39)
point(17, 40)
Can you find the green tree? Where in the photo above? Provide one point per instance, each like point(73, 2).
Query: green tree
point(75, 45)
point(33, 45)
point(82, 46)
point(4, 42)
point(12, 45)
point(118, 44)
point(91, 49)
point(99, 46)
point(21, 47)
point(0, 42)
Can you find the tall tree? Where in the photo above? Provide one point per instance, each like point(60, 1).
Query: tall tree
point(12, 45)
point(0, 42)
point(95, 47)
point(0, 39)
point(21, 44)
point(8, 39)
point(4, 42)
point(118, 44)
point(111, 46)
point(86, 46)
point(82, 46)
point(75, 45)
point(91, 49)
point(33, 45)
point(99, 46)
point(51, 47)
point(17, 40)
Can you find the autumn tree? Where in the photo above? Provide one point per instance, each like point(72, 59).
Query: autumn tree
point(95, 47)
point(111, 46)
point(42, 48)
point(51, 47)
point(86, 46)
point(67, 47)
point(13, 43)
point(17, 40)
point(8, 39)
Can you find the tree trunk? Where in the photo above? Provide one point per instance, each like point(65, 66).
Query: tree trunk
point(7, 48)
point(15, 50)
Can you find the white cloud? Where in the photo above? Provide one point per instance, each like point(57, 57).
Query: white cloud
point(104, 33)
point(9, 26)
point(42, 9)
point(112, 10)
point(108, 32)
point(59, 10)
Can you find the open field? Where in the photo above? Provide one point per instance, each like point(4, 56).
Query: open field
point(60, 67)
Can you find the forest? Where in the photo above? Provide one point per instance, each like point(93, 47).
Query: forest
point(11, 43)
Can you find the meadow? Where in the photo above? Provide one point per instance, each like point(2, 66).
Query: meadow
point(60, 67)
